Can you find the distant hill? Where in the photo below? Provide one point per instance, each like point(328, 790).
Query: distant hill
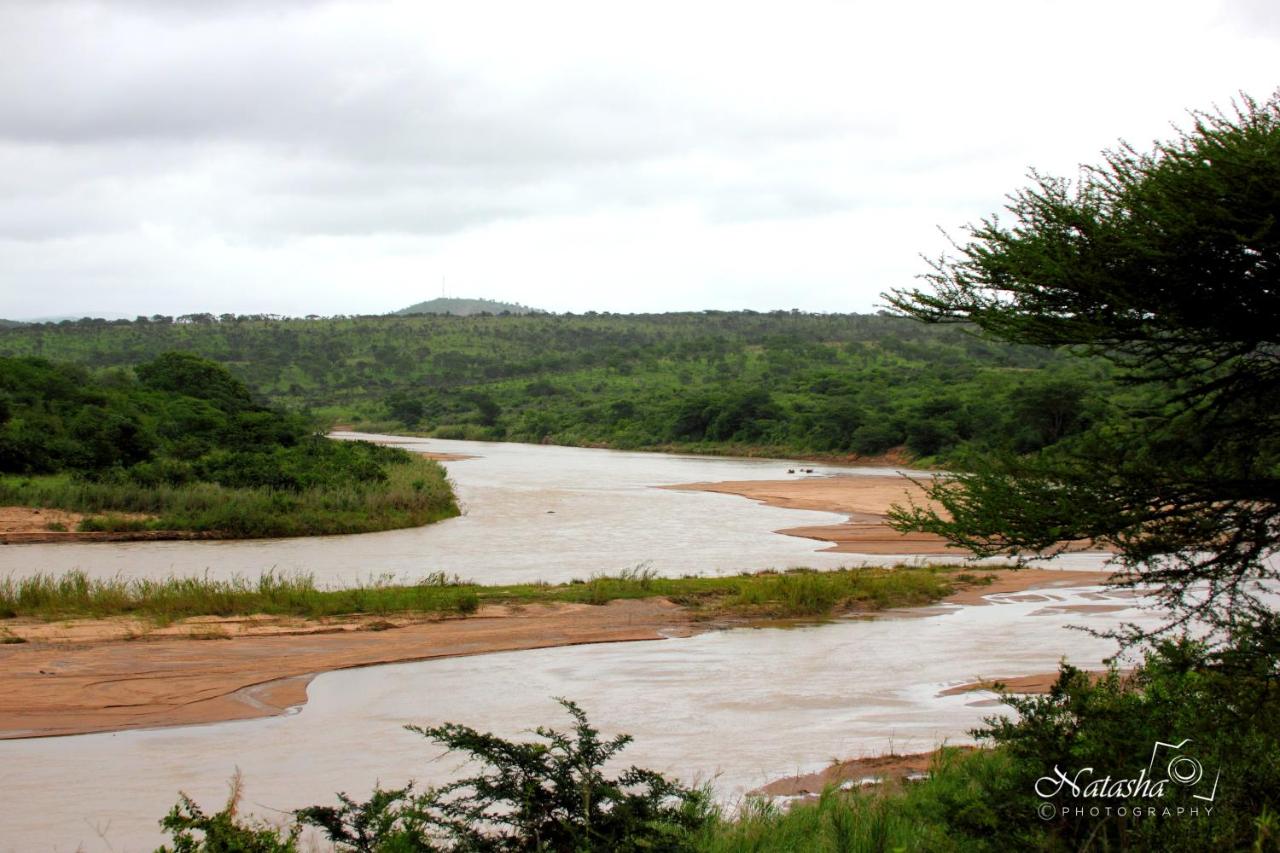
point(467, 307)
point(9, 324)
point(60, 318)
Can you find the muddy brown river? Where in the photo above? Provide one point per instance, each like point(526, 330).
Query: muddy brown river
point(733, 708)
point(530, 513)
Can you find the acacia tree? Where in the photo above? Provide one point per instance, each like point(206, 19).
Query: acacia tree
point(1166, 263)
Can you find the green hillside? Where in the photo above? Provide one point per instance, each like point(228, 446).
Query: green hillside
point(778, 383)
point(466, 307)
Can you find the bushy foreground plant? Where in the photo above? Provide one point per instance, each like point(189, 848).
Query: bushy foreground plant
point(534, 796)
point(1218, 708)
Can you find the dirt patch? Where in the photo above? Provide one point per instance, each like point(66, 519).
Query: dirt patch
point(24, 524)
point(1036, 683)
point(90, 685)
point(25, 519)
point(445, 457)
point(854, 773)
point(864, 498)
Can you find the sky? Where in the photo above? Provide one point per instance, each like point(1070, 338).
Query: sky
point(295, 157)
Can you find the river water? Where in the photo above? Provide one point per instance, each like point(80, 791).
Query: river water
point(530, 513)
point(736, 708)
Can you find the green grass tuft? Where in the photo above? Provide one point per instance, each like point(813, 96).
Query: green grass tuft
point(767, 594)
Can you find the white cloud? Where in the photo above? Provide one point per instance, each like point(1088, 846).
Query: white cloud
point(341, 157)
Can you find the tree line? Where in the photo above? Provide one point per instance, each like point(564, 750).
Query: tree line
point(787, 382)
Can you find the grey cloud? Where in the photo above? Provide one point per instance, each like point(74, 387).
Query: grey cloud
point(302, 131)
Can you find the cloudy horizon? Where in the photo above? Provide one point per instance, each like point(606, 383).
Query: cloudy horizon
point(353, 158)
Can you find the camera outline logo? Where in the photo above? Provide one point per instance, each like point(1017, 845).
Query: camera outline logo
point(1183, 770)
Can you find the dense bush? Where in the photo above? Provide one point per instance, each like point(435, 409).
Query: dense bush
point(185, 442)
point(781, 382)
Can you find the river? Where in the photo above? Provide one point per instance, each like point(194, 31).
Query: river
point(530, 512)
point(733, 708)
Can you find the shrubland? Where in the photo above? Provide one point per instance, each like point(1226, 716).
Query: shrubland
point(781, 383)
point(179, 444)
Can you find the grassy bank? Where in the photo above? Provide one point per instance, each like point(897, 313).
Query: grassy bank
point(415, 492)
point(895, 816)
point(791, 594)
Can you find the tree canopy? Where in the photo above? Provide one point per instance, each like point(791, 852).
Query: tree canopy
point(1167, 264)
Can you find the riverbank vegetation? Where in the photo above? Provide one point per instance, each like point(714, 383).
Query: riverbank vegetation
point(781, 383)
point(795, 593)
point(179, 444)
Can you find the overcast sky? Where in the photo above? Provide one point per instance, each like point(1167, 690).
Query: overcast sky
point(298, 157)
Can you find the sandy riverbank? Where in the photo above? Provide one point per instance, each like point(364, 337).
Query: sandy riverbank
point(864, 499)
point(92, 675)
point(223, 670)
point(25, 525)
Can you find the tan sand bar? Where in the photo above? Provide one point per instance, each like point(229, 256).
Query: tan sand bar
point(865, 499)
point(94, 675)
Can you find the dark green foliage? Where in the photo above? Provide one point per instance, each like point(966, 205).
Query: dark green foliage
point(550, 796)
point(1226, 705)
point(185, 441)
point(556, 796)
point(1167, 265)
point(782, 383)
point(406, 407)
point(529, 797)
point(224, 831)
point(192, 376)
point(388, 822)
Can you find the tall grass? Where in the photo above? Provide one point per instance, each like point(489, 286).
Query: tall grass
point(76, 594)
point(894, 816)
point(767, 594)
point(416, 493)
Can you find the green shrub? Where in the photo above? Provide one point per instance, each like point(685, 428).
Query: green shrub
point(547, 796)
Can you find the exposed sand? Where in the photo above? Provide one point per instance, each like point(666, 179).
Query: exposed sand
point(445, 457)
point(24, 524)
point(1039, 682)
point(852, 773)
point(1023, 580)
point(60, 688)
point(865, 499)
point(24, 519)
point(92, 675)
